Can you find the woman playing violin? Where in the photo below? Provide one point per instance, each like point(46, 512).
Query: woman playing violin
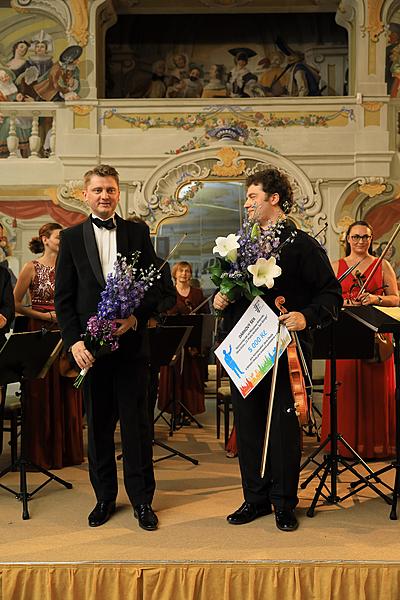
point(366, 394)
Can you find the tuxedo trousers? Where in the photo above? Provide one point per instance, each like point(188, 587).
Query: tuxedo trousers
point(280, 482)
point(116, 389)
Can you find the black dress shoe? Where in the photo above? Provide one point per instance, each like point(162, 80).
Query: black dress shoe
point(286, 519)
point(146, 516)
point(101, 513)
point(249, 512)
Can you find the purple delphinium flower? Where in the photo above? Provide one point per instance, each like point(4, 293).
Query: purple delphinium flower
point(124, 291)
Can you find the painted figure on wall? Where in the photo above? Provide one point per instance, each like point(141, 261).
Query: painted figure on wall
point(216, 86)
point(272, 77)
point(241, 81)
point(10, 93)
point(19, 61)
point(192, 85)
point(158, 84)
point(302, 79)
point(62, 82)
point(392, 59)
point(41, 55)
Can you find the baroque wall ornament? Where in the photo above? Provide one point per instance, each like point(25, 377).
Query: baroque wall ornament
point(228, 164)
point(72, 14)
point(158, 198)
point(214, 120)
point(70, 196)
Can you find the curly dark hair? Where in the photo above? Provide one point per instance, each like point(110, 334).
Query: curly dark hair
point(101, 171)
point(273, 181)
point(36, 245)
point(350, 227)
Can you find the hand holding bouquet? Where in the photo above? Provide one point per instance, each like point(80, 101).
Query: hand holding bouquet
point(124, 292)
point(248, 260)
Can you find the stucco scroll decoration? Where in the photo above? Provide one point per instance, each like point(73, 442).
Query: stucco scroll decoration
point(375, 25)
point(72, 14)
point(70, 196)
point(372, 186)
point(228, 164)
point(163, 201)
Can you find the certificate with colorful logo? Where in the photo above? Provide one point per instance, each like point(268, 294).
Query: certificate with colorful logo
point(248, 352)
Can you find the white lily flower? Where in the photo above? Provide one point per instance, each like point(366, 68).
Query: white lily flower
point(264, 271)
point(227, 247)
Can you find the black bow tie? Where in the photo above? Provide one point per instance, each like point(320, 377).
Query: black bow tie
point(109, 224)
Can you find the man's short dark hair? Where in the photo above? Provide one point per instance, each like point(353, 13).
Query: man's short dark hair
point(273, 181)
point(101, 171)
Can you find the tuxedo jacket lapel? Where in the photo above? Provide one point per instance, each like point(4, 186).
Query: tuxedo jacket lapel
point(92, 251)
point(122, 237)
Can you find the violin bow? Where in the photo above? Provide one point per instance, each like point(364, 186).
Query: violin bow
point(271, 401)
point(178, 243)
point(378, 262)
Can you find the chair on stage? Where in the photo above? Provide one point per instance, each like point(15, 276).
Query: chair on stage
point(223, 401)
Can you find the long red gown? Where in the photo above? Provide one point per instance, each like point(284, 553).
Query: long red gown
point(53, 408)
point(365, 396)
point(188, 387)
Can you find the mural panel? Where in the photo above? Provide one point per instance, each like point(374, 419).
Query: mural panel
point(231, 55)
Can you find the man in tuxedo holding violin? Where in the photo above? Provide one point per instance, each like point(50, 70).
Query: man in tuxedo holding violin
point(115, 386)
point(312, 299)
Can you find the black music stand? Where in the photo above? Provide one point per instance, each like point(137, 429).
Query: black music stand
point(23, 357)
point(201, 336)
point(166, 345)
point(334, 342)
point(380, 322)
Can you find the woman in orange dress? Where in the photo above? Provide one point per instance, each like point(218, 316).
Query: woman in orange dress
point(188, 387)
point(53, 408)
point(366, 390)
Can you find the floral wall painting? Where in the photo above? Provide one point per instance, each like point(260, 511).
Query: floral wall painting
point(226, 55)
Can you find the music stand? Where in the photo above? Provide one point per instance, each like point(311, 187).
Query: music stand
point(381, 322)
point(166, 344)
point(201, 336)
point(334, 342)
point(26, 356)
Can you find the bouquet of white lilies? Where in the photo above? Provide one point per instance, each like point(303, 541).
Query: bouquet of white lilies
point(247, 260)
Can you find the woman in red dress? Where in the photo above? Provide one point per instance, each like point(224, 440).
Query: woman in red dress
point(188, 387)
point(366, 391)
point(53, 410)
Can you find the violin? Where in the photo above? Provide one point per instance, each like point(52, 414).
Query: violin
point(296, 376)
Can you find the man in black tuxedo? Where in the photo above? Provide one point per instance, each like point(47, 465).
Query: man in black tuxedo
point(116, 385)
point(7, 310)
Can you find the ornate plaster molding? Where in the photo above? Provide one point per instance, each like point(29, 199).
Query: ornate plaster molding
point(375, 25)
point(228, 164)
point(157, 198)
point(70, 196)
point(72, 14)
point(357, 197)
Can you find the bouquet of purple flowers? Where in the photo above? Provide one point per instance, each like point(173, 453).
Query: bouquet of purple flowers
point(124, 291)
point(248, 260)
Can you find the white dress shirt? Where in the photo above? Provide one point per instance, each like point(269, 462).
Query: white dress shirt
point(106, 240)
